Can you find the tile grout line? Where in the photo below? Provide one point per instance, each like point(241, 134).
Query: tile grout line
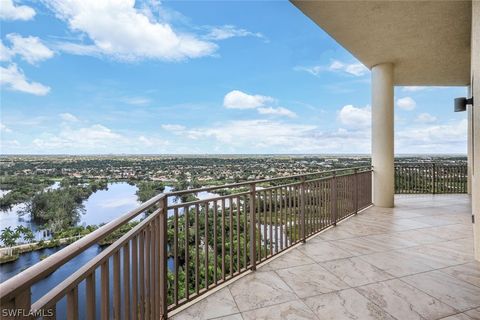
point(234, 300)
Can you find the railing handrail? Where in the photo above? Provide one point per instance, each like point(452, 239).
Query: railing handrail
point(40, 270)
point(246, 183)
point(190, 203)
point(61, 289)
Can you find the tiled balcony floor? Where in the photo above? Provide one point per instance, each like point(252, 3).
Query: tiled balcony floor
point(411, 262)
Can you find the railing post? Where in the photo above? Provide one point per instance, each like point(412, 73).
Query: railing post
point(433, 178)
point(163, 283)
point(334, 198)
point(355, 194)
point(302, 210)
point(253, 231)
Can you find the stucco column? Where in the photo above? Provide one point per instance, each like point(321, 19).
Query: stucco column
point(383, 135)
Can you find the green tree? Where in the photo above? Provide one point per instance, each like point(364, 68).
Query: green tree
point(9, 237)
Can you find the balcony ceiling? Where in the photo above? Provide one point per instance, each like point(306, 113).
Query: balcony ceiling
point(428, 41)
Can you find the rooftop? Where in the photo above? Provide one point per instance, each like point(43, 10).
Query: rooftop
point(414, 261)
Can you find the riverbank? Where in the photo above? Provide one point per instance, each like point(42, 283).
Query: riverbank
point(10, 254)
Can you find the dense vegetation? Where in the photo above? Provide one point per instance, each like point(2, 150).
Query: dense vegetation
point(207, 169)
point(148, 189)
point(22, 188)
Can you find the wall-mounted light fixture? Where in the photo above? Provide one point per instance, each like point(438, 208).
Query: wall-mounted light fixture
point(462, 103)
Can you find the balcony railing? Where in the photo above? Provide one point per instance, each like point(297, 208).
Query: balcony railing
point(430, 178)
point(183, 249)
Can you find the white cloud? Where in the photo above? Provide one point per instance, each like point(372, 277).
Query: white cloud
point(144, 140)
point(280, 111)
point(425, 118)
point(174, 128)
point(314, 70)
point(413, 88)
point(14, 79)
point(121, 31)
point(68, 117)
point(4, 128)
point(355, 118)
point(356, 69)
point(240, 100)
point(229, 31)
point(11, 143)
point(278, 137)
point(12, 12)
point(152, 142)
point(437, 138)
point(31, 49)
point(237, 99)
point(136, 101)
point(5, 52)
point(406, 103)
point(95, 136)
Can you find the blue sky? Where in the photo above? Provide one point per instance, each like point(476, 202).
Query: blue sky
point(84, 77)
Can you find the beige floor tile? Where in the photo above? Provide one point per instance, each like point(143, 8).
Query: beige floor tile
point(474, 313)
point(292, 258)
point(410, 223)
point(293, 310)
point(396, 263)
point(391, 242)
point(456, 293)
point(355, 271)
point(260, 289)
point(404, 301)
point(418, 236)
point(219, 304)
point(323, 251)
point(311, 280)
point(469, 272)
point(362, 229)
point(360, 246)
point(435, 257)
point(345, 305)
point(333, 234)
point(450, 232)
